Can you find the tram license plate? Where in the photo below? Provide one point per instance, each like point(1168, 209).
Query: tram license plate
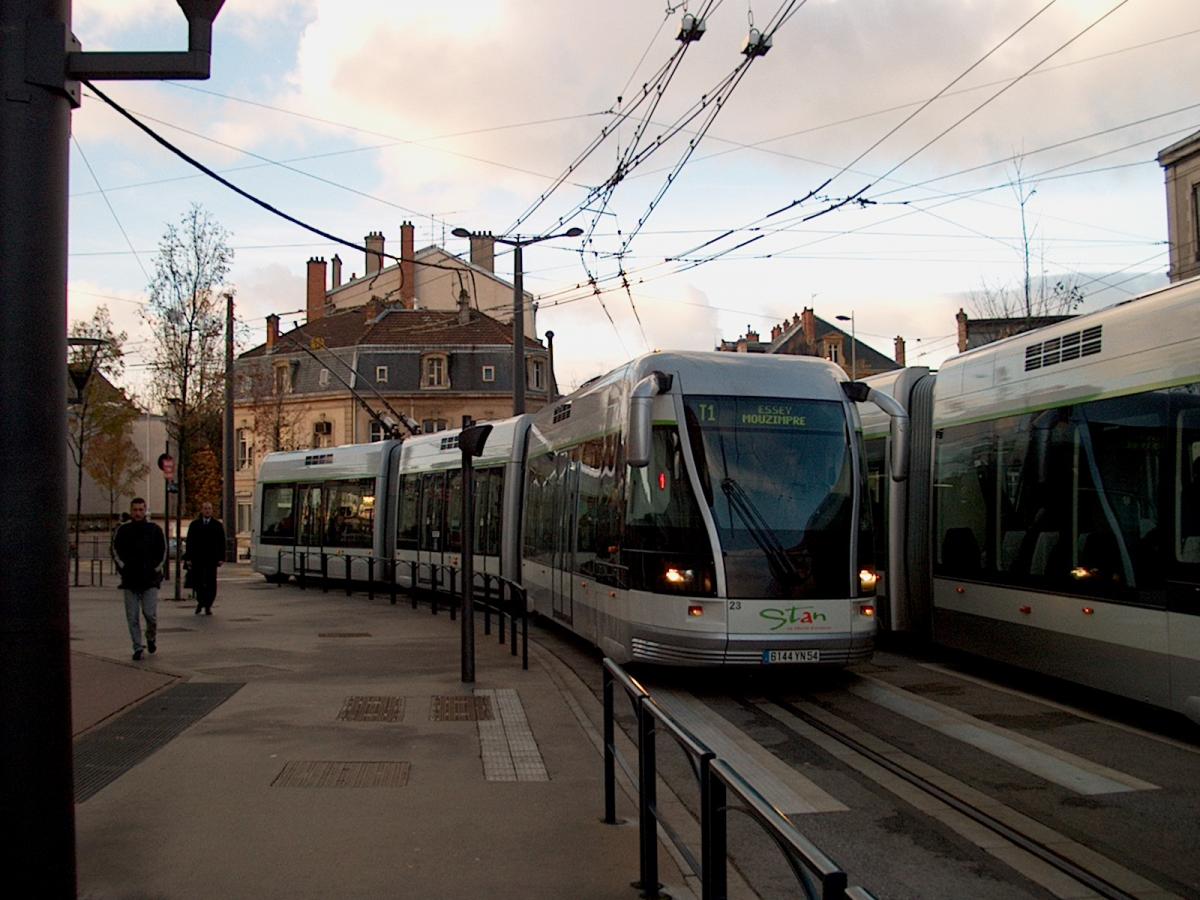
point(791, 656)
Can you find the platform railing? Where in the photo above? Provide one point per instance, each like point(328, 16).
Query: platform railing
point(439, 583)
point(722, 790)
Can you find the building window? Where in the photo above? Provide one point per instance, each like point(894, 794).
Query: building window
point(243, 517)
point(283, 378)
point(435, 371)
point(377, 431)
point(429, 426)
point(1196, 217)
point(536, 374)
point(833, 353)
point(381, 374)
point(322, 434)
point(245, 448)
point(323, 378)
point(489, 373)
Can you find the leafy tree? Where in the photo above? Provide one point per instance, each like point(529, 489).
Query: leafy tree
point(203, 480)
point(94, 355)
point(114, 464)
point(186, 315)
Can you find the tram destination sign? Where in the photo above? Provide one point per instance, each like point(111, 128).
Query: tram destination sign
point(769, 413)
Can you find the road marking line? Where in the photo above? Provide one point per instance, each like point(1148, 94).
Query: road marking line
point(782, 785)
point(1049, 763)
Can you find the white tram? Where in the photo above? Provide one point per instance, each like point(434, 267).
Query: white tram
point(1061, 528)
point(687, 509)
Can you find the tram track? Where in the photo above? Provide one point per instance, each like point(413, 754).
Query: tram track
point(928, 788)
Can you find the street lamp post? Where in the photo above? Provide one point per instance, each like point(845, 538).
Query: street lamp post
point(518, 243)
point(181, 442)
point(853, 345)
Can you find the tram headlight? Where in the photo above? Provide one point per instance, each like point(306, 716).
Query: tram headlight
point(679, 577)
point(867, 579)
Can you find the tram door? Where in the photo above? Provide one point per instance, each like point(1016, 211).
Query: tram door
point(431, 542)
point(1183, 581)
point(312, 525)
point(566, 474)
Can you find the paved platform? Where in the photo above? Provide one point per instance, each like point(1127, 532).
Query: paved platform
point(350, 762)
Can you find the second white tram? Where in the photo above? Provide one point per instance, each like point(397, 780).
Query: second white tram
point(1052, 515)
point(687, 509)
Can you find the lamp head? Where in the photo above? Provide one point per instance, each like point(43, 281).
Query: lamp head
point(461, 232)
point(573, 232)
point(205, 10)
point(843, 318)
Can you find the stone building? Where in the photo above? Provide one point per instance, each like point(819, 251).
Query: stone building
point(1181, 168)
point(806, 334)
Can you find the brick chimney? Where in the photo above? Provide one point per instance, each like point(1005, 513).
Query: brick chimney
point(751, 335)
point(408, 277)
point(464, 307)
point(810, 327)
point(776, 331)
point(337, 271)
point(371, 309)
point(374, 245)
point(483, 251)
point(899, 351)
point(963, 336)
point(316, 288)
point(272, 331)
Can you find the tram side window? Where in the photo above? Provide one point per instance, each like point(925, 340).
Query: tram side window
point(1187, 480)
point(598, 533)
point(539, 509)
point(278, 514)
point(454, 499)
point(875, 454)
point(489, 499)
point(408, 520)
point(312, 516)
point(350, 516)
point(963, 500)
point(433, 503)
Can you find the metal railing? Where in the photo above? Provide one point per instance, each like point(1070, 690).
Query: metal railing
point(719, 783)
point(430, 581)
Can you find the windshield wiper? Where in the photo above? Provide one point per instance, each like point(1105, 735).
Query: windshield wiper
point(779, 562)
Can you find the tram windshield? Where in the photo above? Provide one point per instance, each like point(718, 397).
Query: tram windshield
point(777, 475)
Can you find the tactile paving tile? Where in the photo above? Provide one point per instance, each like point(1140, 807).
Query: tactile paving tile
point(506, 745)
point(317, 773)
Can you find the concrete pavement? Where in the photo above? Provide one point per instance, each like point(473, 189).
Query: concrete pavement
point(283, 790)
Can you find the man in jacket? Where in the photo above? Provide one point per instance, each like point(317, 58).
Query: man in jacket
point(139, 550)
point(205, 552)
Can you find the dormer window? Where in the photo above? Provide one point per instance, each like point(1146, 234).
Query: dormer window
point(381, 374)
point(536, 374)
point(435, 370)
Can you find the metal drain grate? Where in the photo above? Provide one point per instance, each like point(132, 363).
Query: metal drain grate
point(104, 755)
point(372, 709)
point(332, 774)
point(454, 708)
point(340, 634)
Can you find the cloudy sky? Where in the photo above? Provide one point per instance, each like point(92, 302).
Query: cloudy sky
point(357, 116)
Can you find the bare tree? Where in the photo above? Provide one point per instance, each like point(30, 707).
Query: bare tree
point(1038, 294)
point(115, 465)
point(99, 405)
point(274, 421)
point(186, 314)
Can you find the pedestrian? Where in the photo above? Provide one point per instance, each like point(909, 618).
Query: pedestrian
point(205, 552)
point(139, 550)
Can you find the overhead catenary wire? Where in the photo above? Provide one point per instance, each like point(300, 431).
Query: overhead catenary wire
point(108, 203)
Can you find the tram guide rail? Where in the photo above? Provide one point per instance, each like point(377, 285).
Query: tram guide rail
point(719, 782)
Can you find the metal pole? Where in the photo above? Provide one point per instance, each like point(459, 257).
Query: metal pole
point(227, 497)
point(468, 570)
point(167, 515)
point(37, 792)
point(179, 470)
point(518, 331)
point(853, 350)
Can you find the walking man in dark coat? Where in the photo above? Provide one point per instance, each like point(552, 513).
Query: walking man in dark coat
point(140, 550)
point(205, 552)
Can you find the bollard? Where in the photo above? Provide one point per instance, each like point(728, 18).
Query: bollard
point(324, 573)
point(412, 582)
point(487, 604)
point(610, 768)
point(303, 571)
point(453, 594)
point(279, 568)
point(349, 584)
point(391, 569)
point(370, 578)
point(712, 837)
point(647, 803)
point(433, 588)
